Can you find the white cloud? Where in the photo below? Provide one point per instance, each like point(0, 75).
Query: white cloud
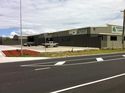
point(29, 31)
point(51, 15)
point(13, 33)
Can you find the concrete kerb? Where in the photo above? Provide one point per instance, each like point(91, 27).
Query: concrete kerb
point(20, 59)
point(2, 54)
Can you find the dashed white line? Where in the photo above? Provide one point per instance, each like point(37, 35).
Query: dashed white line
point(60, 63)
point(89, 83)
point(72, 64)
point(99, 59)
point(42, 68)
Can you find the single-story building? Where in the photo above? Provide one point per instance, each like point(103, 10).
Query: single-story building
point(109, 36)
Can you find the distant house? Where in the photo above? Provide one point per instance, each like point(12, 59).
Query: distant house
point(16, 40)
point(16, 37)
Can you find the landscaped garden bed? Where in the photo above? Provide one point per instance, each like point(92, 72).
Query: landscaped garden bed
point(17, 53)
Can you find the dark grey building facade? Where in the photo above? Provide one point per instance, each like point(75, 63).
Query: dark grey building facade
point(99, 37)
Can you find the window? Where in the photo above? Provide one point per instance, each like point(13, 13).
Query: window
point(94, 28)
point(102, 37)
point(113, 38)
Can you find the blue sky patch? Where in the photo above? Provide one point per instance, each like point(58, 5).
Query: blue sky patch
point(7, 32)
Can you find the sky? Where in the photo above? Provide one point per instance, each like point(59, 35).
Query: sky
point(41, 16)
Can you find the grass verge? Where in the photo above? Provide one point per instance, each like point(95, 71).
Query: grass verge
point(80, 53)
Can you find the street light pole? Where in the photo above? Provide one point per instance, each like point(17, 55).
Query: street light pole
point(123, 27)
point(45, 40)
point(21, 38)
point(123, 32)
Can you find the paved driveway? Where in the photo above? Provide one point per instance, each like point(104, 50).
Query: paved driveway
point(56, 49)
point(5, 47)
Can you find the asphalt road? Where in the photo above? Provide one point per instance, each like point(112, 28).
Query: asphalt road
point(84, 74)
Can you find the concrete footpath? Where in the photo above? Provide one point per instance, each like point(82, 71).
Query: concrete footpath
point(19, 59)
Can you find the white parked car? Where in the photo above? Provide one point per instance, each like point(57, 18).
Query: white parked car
point(50, 44)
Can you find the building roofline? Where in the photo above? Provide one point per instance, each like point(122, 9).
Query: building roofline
point(65, 30)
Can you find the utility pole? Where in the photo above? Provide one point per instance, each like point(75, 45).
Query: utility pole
point(45, 35)
point(123, 32)
point(21, 38)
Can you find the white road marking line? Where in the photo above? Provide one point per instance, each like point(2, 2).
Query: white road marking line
point(42, 68)
point(60, 63)
point(63, 65)
point(67, 60)
point(26, 65)
point(89, 83)
point(84, 63)
point(36, 64)
point(123, 55)
point(99, 59)
point(94, 57)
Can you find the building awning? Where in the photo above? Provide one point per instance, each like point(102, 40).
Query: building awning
point(115, 34)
